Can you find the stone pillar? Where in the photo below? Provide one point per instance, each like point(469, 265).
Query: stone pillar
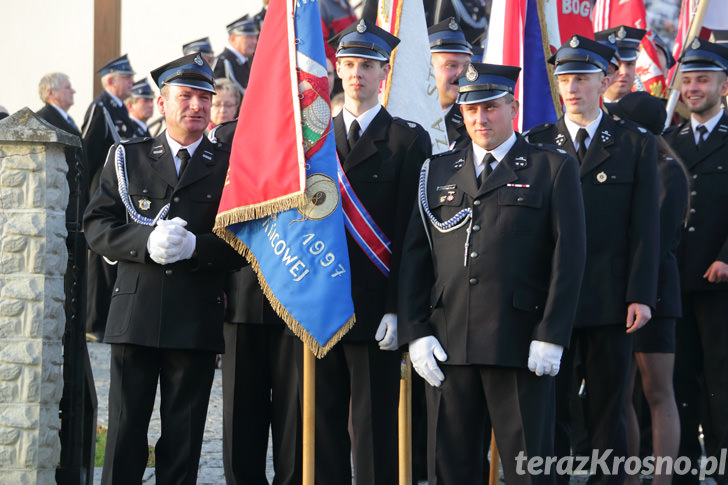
point(33, 255)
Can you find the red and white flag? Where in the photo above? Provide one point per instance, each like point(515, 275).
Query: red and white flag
point(650, 76)
point(613, 13)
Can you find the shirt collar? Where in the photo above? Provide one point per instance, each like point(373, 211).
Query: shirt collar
point(498, 153)
point(591, 128)
point(175, 147)
point(237, 54)
point(710, 124)
point(364, 119)
point(60, 110)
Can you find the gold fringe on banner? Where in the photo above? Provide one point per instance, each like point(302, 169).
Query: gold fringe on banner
point(317, 349)
point(547, 54)
point(259, 211)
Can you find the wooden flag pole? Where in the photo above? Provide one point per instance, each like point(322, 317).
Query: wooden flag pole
point(309, 415)
point(494, 459)
point(695, 25)
point(405, 421)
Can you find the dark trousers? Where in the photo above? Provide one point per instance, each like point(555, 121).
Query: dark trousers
point(360, 373)
point(100, 281)
point(260, 390)
point(518, 405)
point(701, 375)
point(185, 379)
point(606, 356)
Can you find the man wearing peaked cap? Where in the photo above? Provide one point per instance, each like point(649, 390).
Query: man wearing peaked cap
point(468, 295)
point(618, 172)
point(627, 41)
point(202, 46)
point(140, 105)
point(701, 370)
point(105, 121)
point(450, 55)
point(234, 61)
point(153, 214)
point(381, 156)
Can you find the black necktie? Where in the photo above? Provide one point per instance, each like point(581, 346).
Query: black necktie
point(487, 169)
point(581, 137)
point(353, 134)
point(184, 157)
point(703, 131)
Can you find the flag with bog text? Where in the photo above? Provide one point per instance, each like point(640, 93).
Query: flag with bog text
point(526, 33)
point(281, 206)
point(410, 91)
point(613, 13)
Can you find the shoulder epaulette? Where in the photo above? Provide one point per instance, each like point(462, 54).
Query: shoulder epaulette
point(407, 123)
point(538, 129)
point(130, 141)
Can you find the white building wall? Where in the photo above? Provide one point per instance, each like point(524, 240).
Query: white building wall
point(42, 36)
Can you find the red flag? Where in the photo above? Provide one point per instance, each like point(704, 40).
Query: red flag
point(687, 12)
point(613, 13)
point(650, 76)
point(565, 18)
point(275, 180)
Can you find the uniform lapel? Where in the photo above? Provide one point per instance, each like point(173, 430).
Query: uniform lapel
point(465, 175)
point(685, 145)
point(366, 147)
point(342, 145)
point(200, 165)
point(562, 139)
point(162, 161)
point(715, 140)
point(598, 150)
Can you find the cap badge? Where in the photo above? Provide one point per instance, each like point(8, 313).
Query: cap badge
point(612, 38)
point(695, 44)
point(601, 177)
point(471, 74)
point(574, 43)
point(145, 204)
point(452, 25)
point(621, 33)
point(361, 27)
point(198, 60)
point(560, 139)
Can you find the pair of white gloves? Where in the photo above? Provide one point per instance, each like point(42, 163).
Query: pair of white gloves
point(170, 242)
point(544, 358)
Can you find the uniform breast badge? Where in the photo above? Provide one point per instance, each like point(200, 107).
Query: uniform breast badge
point(145, 204)
point(601, 177)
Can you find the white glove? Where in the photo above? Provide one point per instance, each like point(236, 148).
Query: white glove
point(544, 358)
point(170, 242)
point(387, 332)
point(423, 352)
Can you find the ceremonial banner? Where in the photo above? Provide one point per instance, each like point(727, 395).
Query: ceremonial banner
point(649, 75)
point(613, 13)
point(410, 91)
point(285, 137)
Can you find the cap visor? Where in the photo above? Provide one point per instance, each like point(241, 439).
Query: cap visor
point(473, 97)
point(360, 52)
point(576, 68)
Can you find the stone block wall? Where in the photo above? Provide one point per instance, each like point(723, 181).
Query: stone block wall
point(33, 255)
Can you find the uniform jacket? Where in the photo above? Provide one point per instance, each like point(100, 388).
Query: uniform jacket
point(178, 305)
point(96, 135)
point(673, 202)
point(228, 65)
point(77, 172)
point(382, 169)
point(705, 236)
point(516, 277)
point(457, 134)
point(620, 190)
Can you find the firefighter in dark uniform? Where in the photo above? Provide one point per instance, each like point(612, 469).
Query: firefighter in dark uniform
point(234, 61)
point(140, 105)
point(627, 41)
point(202, 46)
point(701, 368)
point(106, 114)
point(491, 270)
point(619, 185)
point(154, 213)
point(259, 379)
point(381, 157)
point(450, 56)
